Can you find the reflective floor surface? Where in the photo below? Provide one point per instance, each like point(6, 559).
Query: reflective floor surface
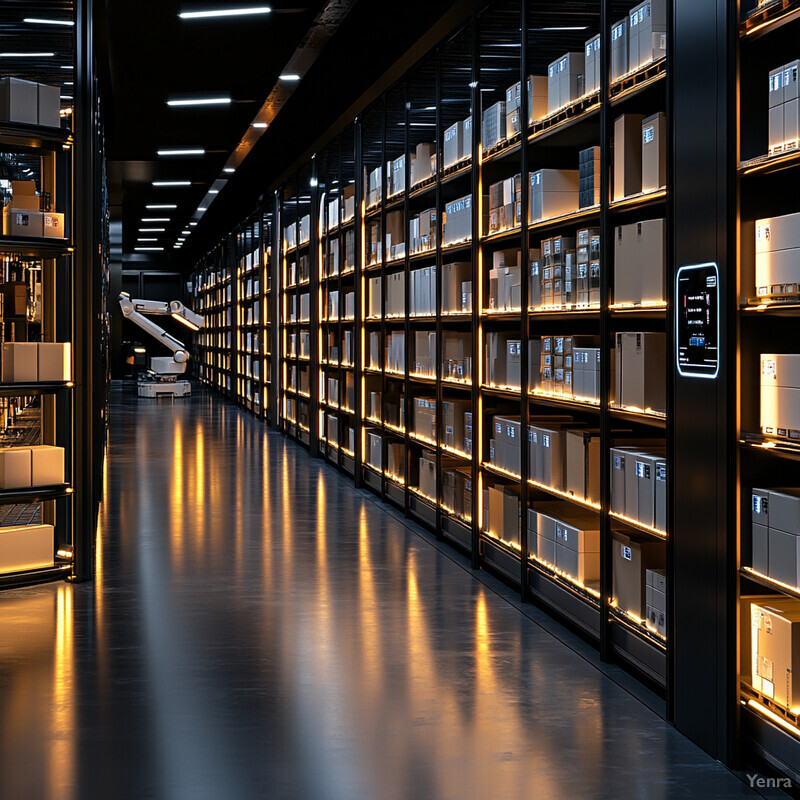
point(258, 629)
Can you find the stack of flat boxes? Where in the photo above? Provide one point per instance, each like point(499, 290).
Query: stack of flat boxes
point(557, 364)
point(566, 538)
point(504, 447)
point(587, 256)
point(639, 485)
point(505, 204)
point(537, 103)
point(778, 257)
point(23, 215)
point(553, 193)
point(547, 450)
point(494, 125)
point(504, 281)
point(558, 271)
point(784, 108)
point(565, 80)
point(780, 395)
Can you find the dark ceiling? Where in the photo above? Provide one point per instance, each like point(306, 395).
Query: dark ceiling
point(155, 56)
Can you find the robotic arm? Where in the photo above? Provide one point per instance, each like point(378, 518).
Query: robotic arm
point(134, 310)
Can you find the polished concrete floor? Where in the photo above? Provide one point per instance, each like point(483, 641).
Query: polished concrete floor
point(258, 629)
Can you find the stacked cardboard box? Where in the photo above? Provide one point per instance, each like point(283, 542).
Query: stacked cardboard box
point(627, 155)
point(566, 538)
point(640, 371)
point(547, 451)
point(654, 152)
point(565, 82)
point(494, 125)
point(776, 534)
point(454, 416)
point(424, 414)
point(587, 280)
point(505, 281)
point(589, 177)
point(458, 142)
point(775, 650)
point(639, 261)
point(778, 256)
point(784, 108)
point(632, 557)
point(374, 183)
point(24, 214)
point(620, 56)
point(457, 287)
point(556, 270)
point(457, 491)
point(780, 393)
point(26, 547)
point(592, 60)
point(503, 353)
point(27, 467)
point(553, 193)
point(647, 33)
point(639, 485)
point(30, 103)
point(656, 600)
point(558, 367)
point(505, 204)
point(501, 513)
point(31, 362)
point(424, 357)
point(423, 292)
point(457, 221)
point(505, 444)
point(422, 231)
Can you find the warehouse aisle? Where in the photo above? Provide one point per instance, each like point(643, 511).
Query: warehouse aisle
point(259, 629)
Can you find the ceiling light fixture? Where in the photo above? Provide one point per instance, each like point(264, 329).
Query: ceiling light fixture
point(229, 169)
point(201, 101)
point(193, 223)
point(155, 219)
point(146, 239)
point(152, 230)
point(259, 124)
point(154, 206)
point(172, 183)
point(202, 208)
point(213, 191)
point(186, 152)
point(564, 28)
point(27, 55)
point(186, 233)
point(289, 76)
point(35, 21)
point(225, 12)
point(148, 248)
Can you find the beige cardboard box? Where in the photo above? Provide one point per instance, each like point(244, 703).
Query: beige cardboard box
point(55, 361)
point(654, 152)
point(23, 195)
point(777, 638)
point(641, 370)
point(26, 547)
point(20, 362)
point(47, 465)
point(631, 559)
point(15, 468)
point(627, 155)
point(53, 226)
point(23, 222)
point(19, 101)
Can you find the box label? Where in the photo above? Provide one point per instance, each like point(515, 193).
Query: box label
point(626, 552)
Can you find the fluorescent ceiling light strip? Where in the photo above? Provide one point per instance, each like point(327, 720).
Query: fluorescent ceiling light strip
point(66, 66)
point(148, 248)
point(154, 206)
point(146, 239)
point(152, 230)
point(36, 21)
point(185, 152)
point(27, 55)
point(156, 219)
point(259, 124)
point(201, 101)
point(229, 169)
point(289, 76)
point(172, 183)
point(225, 12)
point(564, 28)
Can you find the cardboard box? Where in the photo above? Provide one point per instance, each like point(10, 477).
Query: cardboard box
point(630, 560)
point(776, 634)
point(375, 450)
point(454, 276)
point(582, 451)
point(23, 222)
point(780, 395)
point(639, 262)
point(654, 152)
point(778, 256)
point(641, 370)
point(627, 155)
point(47, 465)
point(453, 147)
point(457, 220)
point(619, 49)
point(19, 101)
point(15, 468)
point(494, 125)
point(537, 97)
point(26, 547)
point(553, 193)
point(592, 60)
point(49, 105)
point(54, 361)
point(20, 362)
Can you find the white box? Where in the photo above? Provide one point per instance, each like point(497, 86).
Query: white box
point(15, 468)
point(47, 465)
point(23, 222)
point(592, 59)
point(49, 105)
point(19, 101)
point(619, 49)
point(654, 152)
point(571, 71)
point(453, 146)
point(54, 361)
point(26, 547)
point(20, 362)
point(53, 226)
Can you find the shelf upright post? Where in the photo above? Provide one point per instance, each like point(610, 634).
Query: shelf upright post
point(235, 240)
point(438, 310)
point(358, 324)
point(407, 298)
point(276, 330)
point(383, 329)
point(606, 334)
point(313, 315)
point(86, 295)
point(524, 258)
point(477, 422)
